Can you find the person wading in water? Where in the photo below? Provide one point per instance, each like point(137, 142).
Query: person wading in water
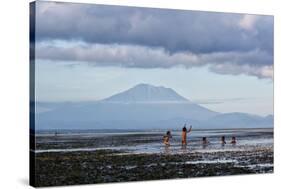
point(183, 134)
point(166, 138)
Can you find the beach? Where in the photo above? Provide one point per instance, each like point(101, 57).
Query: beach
point(85, 157)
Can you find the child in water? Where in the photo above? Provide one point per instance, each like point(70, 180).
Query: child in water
point(183, 135)
point(205, 141)
point(223, 140)
point(233, 141)
point(166, 138)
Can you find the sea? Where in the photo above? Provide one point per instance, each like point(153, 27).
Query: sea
point(151, 141)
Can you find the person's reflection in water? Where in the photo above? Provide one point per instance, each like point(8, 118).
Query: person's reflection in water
point(167, 149)
point(183, 149)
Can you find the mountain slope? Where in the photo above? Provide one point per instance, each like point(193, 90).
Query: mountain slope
point(141, 107)
point(147, 93)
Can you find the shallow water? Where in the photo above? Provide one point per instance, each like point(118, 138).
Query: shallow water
point(151, 141)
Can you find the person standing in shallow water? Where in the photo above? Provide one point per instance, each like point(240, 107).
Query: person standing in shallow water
point(166, 138)
point(205, 142)
point(233, 141)
point(184, 133)
point(223, 140)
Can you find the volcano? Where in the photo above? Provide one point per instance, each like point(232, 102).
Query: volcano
point(143, 106)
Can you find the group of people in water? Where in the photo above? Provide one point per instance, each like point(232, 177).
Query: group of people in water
point(168, 136)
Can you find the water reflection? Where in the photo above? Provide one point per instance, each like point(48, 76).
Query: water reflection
point(183, 148)
point(167, 149)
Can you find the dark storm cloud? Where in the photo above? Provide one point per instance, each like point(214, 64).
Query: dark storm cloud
point(144, 57)
point(131, 56)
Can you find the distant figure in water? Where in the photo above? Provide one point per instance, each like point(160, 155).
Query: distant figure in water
point(205, 141)
point(233, 140)
point(223, 140)
point(183, 135)
point(166, 138)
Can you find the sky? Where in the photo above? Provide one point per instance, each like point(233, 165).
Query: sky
point(88, 52)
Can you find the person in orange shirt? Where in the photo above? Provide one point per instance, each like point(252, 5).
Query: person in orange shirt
point(183, 134)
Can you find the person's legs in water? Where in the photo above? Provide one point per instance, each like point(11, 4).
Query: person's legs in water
point(183, 142)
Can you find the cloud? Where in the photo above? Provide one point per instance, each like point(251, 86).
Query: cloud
point(220, 101)
point(173, 30)
point(248, 22)
point(155, 38)
point(233, 69)
point(118, 55)
point(256, 62)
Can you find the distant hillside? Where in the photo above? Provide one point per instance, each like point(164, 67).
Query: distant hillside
point(239, 120)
